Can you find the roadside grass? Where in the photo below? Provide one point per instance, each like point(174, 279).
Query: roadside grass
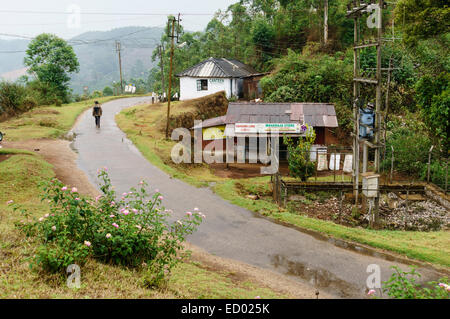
point(433, 247)
point(143, 124)
point(47, 121)
point(19, 176)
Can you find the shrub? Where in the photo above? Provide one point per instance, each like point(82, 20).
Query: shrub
point(299, 154)
point(131, 231)
point(12, 96)
point(403, 285)
point(107, 91)
point(410, 150)
point(437, 173)
point(96, 94)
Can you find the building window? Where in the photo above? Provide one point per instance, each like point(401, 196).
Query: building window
point(202, 85)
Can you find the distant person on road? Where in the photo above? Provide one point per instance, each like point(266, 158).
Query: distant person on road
point(97, 113)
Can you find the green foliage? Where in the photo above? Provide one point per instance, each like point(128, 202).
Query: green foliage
point(411, 148)
point(421, 19)
point(131, 231)
point(433, 95)
point(96, 94)
point(12, 96)
point(107, 91)
point(51, 59)
point(403, 285)
point(305, 78)
point(300, 165)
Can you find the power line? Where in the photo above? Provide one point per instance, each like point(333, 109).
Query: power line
point(106, 13)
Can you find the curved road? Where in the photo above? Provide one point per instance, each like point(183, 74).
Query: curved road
point(228, 231)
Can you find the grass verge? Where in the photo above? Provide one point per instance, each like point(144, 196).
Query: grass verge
point(143, 124)
point(47, 121)
point(19, 177)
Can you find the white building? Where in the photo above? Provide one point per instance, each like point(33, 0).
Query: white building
point(214, 75)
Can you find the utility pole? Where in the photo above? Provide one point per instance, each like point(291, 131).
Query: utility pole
point(325, 22)
point(161, 60)
point(169, 96)
point(118, 49)
point(356, 10)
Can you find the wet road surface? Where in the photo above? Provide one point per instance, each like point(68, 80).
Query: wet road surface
point(228, 230)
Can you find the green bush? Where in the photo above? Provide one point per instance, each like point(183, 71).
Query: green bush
point(410, 150)
point(437, 172)
point(12, 96)
point(107, 91)
point(300, 165)
point(131, 230)
point(403, 285)
point(96, 94)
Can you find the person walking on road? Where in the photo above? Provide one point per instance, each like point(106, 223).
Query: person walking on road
point(97, 113)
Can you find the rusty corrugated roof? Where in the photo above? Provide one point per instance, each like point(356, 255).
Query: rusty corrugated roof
point(215, 121)
point(315, 114)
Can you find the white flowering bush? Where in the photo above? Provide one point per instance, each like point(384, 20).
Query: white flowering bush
point(130, 230)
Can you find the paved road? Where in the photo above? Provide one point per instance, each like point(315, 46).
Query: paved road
point(228, 231)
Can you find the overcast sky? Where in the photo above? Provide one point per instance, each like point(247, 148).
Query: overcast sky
point(31, 17)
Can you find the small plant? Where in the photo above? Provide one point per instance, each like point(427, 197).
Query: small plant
point(300, 165)
point(403, 285)
point(130, 230)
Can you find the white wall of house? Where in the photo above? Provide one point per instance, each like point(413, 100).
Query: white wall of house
point(188, 87)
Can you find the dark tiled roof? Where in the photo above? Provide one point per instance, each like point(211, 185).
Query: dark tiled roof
point(215, 121)
point(315, 114)
point(258, 113)
point(219, 68)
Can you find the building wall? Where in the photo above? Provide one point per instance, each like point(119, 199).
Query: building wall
point(251, 88)
point(330, 137)
point(188, 87)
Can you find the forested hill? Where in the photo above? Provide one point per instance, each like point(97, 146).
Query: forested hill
point(97, 55)
point(99, 64)
point(12, 54)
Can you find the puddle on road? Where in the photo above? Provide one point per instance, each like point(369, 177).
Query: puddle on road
point(319, 278)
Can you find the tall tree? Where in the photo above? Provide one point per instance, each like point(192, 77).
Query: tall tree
point(52, 60)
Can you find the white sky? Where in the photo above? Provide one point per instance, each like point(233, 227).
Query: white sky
point(67, 26)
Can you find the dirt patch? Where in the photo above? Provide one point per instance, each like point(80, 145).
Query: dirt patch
point(43, 111)
point(4, 157)
point(415, 214)
point(242, 272)
point(60, 155)
point(246, 170)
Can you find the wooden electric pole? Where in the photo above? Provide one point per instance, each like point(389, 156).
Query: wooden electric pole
point(169, 96)
point(356, 11)
point(118, 49)
point(325, 22)
point(161, 60)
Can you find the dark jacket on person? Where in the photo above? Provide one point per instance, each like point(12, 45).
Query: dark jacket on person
point(97, 111)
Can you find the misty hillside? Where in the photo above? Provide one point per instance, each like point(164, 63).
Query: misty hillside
point(10, 61)
point(97, 55)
